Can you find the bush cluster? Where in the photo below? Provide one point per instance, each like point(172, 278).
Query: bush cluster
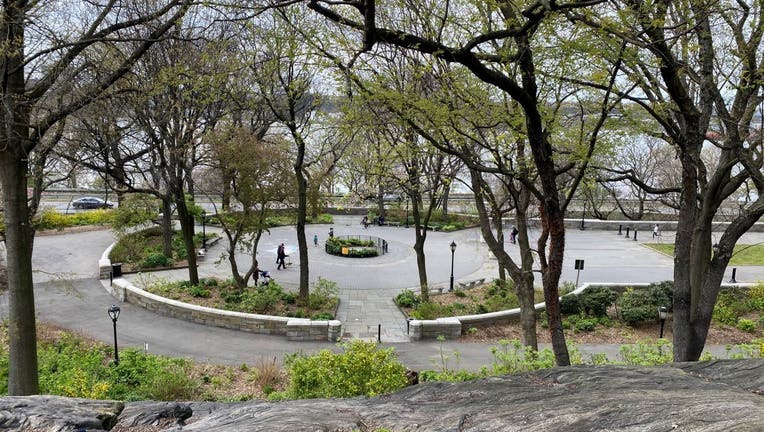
point(638, 306)
point(49, 218)
point(360, 369)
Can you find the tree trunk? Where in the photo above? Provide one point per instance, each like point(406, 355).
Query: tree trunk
point(302, 204)
point(420, 238)
point(187, 231)
point(522, 276)
point(19, 235)
point(167, 228)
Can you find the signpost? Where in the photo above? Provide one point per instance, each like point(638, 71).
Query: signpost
point(579, 267)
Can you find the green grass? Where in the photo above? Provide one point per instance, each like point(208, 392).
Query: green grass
point(744, 254)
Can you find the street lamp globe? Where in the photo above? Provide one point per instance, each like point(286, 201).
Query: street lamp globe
point(453, 246)
point(114, 312)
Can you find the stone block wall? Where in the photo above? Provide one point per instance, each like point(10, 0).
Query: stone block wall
point(298, 329)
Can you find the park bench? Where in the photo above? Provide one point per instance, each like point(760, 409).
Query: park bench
point(395, 224)
point(471, 284)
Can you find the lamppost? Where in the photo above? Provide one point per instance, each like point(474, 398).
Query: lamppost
point(114, 314)
point(662, 315)
point(204, 231)
point(453, 249)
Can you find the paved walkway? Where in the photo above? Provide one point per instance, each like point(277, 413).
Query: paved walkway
point(68, 293)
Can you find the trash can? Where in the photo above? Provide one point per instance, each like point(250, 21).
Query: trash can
point(116, 270)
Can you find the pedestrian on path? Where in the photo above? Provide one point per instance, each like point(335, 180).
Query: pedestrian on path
point(331, 233)
point(513, 235)
point(280, 257)
point(315, 240)
point(656, 231)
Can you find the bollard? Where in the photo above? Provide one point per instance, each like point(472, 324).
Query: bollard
point(379, 333)
point(635, 234)
point(111, 278)
point(408, 325)
point(627, 232)
point(734, 271)
point(620, 229)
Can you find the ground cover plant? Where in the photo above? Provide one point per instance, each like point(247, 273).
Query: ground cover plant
point(270, 299)
point(598, 314)
point(743, 254)
point(491, 297)
point(75, 366)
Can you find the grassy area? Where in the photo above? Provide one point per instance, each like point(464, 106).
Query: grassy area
point(744, 254)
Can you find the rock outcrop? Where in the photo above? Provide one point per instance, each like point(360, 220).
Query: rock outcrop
point(709, 396)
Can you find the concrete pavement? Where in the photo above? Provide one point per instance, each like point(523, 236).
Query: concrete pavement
point(68, 293)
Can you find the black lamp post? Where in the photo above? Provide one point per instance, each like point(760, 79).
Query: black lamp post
point(204, 230)
point(662, 315)
point(114, 314)
point(453, 249)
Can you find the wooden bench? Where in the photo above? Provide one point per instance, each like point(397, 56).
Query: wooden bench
point(395, 224)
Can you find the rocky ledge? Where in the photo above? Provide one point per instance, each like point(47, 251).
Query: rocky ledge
point(721, 395)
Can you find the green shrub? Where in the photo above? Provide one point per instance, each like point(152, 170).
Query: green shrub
point(662, 294)
point(261, 299)
point(197, 291)
point(426, 311)
point(647, 353)
point(460, 293)
point(724, 315)
point(569, 305)
point(289, 298)
point(747, 325)
point(324, 316)
point(155, 259)
point(361, 369)
point(407, 298)
point(635, 307)
point(755, 297)
point(586, 324)
point(595, 300)
point(323, 294)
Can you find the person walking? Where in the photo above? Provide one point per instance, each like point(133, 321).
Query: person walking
point(656, 231)
point(280, 257)
point(315, 240)
point(513, 235)
point(331, 233)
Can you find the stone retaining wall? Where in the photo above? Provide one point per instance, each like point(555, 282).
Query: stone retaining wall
point(295, 329)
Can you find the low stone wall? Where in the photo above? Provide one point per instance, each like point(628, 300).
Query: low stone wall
point(295, 329)
point(453, 327)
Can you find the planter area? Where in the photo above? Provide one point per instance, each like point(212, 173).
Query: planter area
point(356, 246)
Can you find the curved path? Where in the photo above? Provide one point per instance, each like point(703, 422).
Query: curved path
point(69, 294)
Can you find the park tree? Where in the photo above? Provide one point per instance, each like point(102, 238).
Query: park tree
point(695, 68)
point(283, 69)
point(37, 68)
point(260, 171)
point(498, 43)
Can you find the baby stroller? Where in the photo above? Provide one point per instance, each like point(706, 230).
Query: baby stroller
point(265, 278)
